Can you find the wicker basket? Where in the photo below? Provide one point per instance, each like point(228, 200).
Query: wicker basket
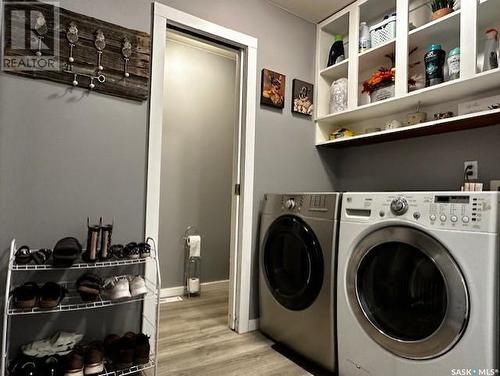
point(383, 31)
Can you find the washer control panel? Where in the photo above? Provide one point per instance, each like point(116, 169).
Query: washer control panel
point(472, 211)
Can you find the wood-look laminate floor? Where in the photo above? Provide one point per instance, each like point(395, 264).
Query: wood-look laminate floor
point(195, 340)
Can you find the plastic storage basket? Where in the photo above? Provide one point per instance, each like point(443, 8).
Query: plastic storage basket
point(383, 31)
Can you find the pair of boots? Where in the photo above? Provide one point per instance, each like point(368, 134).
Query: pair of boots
point(98, 241)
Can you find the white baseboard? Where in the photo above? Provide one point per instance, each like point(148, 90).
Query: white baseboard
point(253, 325)
point(170, 292)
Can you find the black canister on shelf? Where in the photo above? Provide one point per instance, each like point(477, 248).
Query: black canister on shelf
point(434, 65)
point(337, 53)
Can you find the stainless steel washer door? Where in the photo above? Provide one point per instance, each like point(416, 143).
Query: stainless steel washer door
point(407, 292)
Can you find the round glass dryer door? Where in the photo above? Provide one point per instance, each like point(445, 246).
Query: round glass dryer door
point(407, 292)
point(292, 262)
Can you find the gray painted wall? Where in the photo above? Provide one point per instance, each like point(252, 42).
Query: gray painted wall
point(424, 163)
point(197, 156)
point(65, 155)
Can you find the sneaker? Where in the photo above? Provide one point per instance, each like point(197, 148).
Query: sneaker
point(61, 343)
point(117, 288)
point(137, 286)
point(94, 359)
point(25, 296)
point(89, 287)
point(51, 294)
point(74, 364)
point(131, 251)
point(144, 250)
point(142, 349)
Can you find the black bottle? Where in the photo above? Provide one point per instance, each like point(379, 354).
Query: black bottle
point(434, 65)
point(337, 53)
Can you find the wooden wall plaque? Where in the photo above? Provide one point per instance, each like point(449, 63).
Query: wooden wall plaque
point(20, 20)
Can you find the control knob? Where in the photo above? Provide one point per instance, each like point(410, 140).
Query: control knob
point(399, 206)
point(290, 204)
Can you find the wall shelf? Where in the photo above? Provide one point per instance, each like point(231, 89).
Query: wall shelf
point(481, 119)
point(460, 28)
point(376, 56)
point(336, 71)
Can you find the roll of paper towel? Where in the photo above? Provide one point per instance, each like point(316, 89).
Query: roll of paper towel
point(194, 285)
point(194, 244)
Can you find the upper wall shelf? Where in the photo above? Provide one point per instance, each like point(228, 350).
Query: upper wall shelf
point(336, 70)
point(462, 28)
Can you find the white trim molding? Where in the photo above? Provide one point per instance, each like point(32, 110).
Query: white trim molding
point(169, 292)
point(253, 325)
point(163, 16)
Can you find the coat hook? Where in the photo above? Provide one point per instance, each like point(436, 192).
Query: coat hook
point(100, 44)
point(72, 37)
point(126, 52)
point(41, 29)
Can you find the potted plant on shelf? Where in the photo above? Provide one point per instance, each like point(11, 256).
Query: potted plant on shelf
point(441, 8)
point(380, 85)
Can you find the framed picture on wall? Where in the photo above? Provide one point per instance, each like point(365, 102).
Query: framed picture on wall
point(272, 90)
point(302, 97)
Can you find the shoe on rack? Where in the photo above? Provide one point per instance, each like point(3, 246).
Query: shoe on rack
point(144, 250)
point(66, 252)
point(89, 287)
point(111, 347)
point(117, 288)
point(52, 366)
point(142, 349)
point(125, 352)
point(116, 250)
point(24, 366)
point(131, 251)
point(50, 295)
point(25, 296)
point(94, 358)
point(23, 255)
point(74, 364)
point(137, 286)
point(61, 343)
point(41, 256)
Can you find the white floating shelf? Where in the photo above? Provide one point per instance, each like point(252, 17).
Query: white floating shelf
point(434, 31)
point(475, 120)
point(336, 71)
point(447, 91)
point(375, 57)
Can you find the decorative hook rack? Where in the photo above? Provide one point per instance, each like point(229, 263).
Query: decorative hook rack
point(93, 47)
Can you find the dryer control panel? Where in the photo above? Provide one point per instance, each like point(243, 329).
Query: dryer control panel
point(317, 205)
point(471, 211)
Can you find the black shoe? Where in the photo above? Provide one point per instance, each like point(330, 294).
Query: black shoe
point(23, 255)
point(144, 250)
point(41, 256)
point(52, 366)
point(25, 296)
point(24, 366)
point(132, 251)
point(116, 250)
point(50, 295)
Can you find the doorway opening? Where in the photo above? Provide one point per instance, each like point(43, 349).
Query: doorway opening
point(201, 152)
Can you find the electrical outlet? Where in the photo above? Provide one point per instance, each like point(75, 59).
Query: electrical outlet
point(473, 175)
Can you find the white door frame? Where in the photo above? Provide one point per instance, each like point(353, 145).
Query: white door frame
point(241, 253)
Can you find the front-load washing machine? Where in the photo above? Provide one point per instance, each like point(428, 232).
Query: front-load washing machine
point(418, 278)
point(297, 260)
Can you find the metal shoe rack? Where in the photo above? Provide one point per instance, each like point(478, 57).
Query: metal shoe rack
point(72, 302)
